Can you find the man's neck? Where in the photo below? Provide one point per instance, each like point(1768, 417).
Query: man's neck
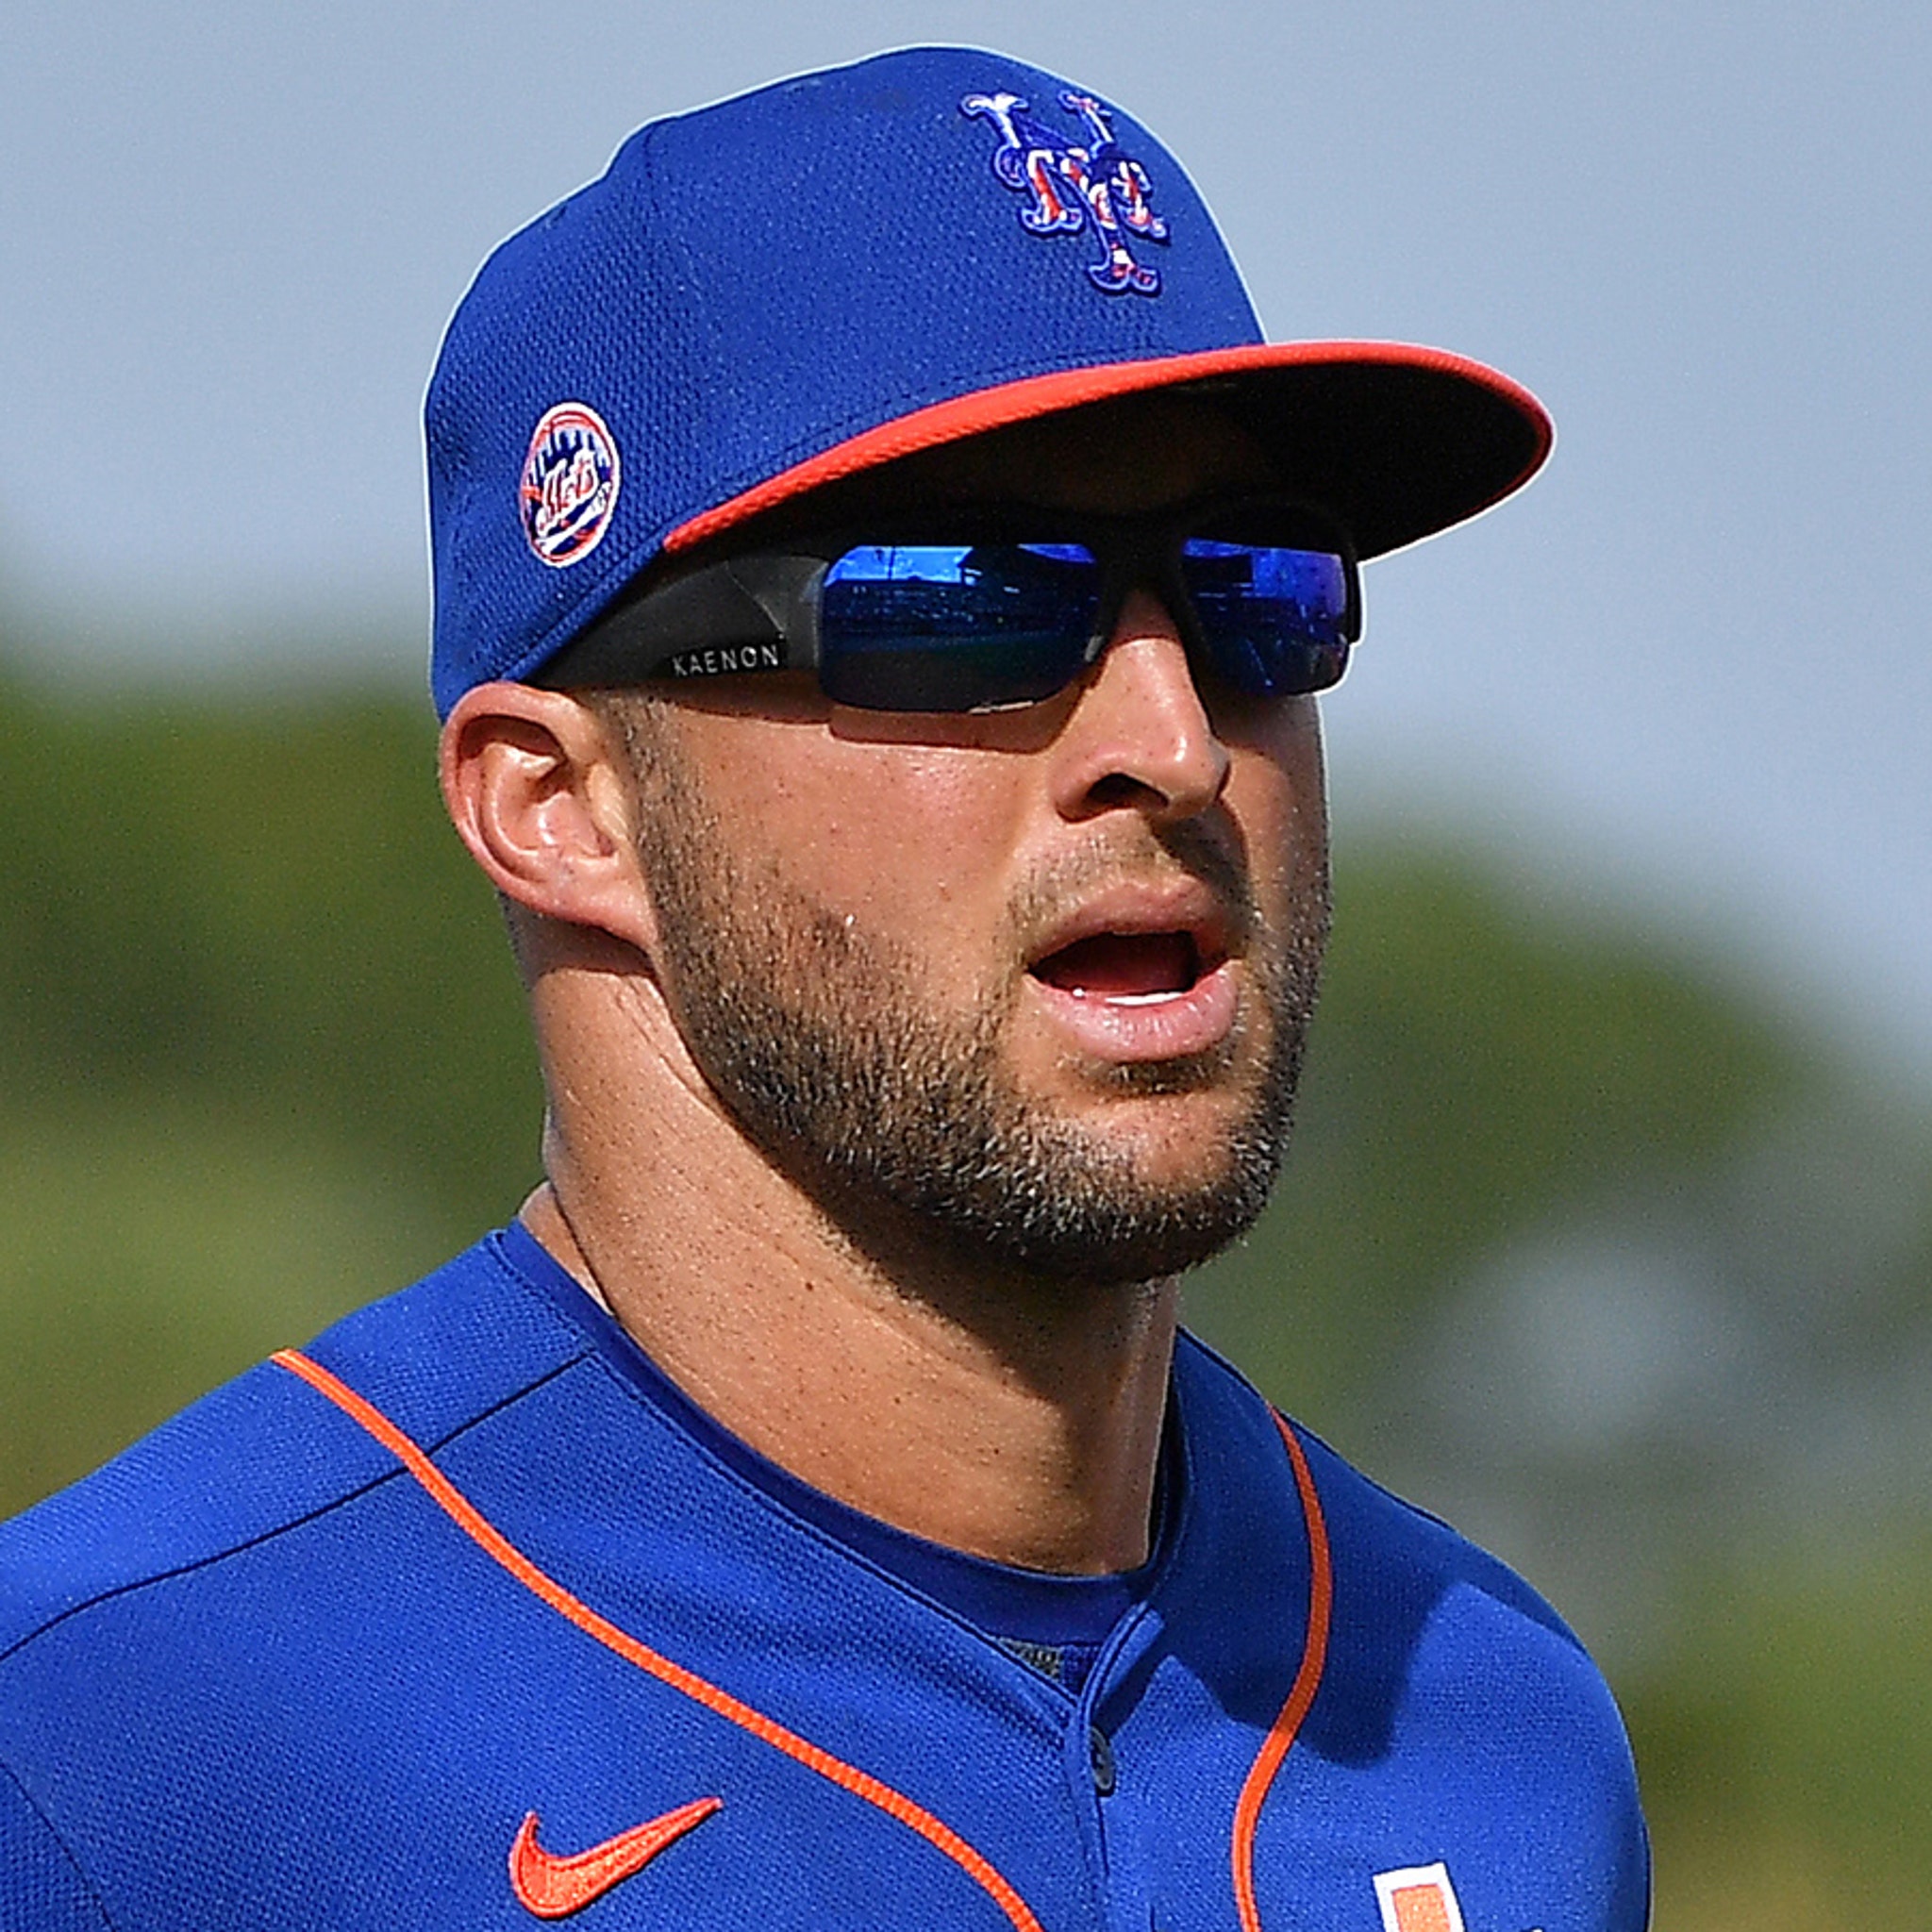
point(1005, 1419)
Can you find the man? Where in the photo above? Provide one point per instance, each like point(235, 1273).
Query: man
point(882, 586)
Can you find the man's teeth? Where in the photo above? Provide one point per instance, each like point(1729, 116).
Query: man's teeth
point(1125, 970)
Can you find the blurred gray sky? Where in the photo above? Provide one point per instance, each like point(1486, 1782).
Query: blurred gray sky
point(1692, 660)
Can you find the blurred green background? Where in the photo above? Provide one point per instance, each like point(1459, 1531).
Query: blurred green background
point(1579, 1245)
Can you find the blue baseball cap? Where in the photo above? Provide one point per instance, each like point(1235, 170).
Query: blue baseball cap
point(786, 288)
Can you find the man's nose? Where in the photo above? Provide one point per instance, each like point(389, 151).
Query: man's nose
point(1139, 734)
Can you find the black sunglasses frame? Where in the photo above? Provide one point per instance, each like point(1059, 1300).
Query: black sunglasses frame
point(759, 611)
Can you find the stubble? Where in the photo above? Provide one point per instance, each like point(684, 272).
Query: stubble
point(817, 1040)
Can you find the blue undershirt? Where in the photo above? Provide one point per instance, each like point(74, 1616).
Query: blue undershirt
point(1055, 1623)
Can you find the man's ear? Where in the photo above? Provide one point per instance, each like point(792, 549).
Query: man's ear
point(537, 793)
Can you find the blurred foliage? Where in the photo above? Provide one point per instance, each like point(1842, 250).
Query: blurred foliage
point(261, 911)
point(262, 1056)
point(1474, 1071)
point(1785, 1743)
point(263, 1052)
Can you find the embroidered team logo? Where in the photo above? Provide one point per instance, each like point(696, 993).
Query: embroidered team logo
point(570, 484)
point(1071, 183)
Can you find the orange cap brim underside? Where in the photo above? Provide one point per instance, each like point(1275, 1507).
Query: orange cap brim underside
point(1396, 439)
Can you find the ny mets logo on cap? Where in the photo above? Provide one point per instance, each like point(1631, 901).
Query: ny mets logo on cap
point(1072, 184)
point(570, 484)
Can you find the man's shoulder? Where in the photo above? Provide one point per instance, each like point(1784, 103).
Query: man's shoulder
point(1373, 1537)
point(1418, 1615)
point(264, 1454)
point(1433, 1682)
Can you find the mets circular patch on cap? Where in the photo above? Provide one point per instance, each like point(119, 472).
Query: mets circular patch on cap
point(570, 483)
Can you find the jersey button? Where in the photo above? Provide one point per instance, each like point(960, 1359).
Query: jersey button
point(1100, 1756)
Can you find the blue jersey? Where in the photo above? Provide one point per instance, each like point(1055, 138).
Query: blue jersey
point(449, 1621)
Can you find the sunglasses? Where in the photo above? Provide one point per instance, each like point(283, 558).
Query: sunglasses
point(976, 611)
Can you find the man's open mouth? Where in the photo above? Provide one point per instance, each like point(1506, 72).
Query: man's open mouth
point(1128, 967)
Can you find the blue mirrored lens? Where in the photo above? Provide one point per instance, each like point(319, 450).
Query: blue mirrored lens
point(976, 626)
point(956, 627)
point(1276, 621)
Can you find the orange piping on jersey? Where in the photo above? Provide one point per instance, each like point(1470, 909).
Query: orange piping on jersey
point(1307, 1680)
point(469, 1519)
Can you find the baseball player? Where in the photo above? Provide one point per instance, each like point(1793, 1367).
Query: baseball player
point(883, 584)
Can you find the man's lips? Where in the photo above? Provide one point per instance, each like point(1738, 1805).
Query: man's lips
point(1141, 974)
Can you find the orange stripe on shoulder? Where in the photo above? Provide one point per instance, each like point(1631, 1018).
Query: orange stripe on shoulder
point(1307, 1680)
point(469, 1519)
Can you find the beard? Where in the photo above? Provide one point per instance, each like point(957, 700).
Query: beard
point(902, 1119)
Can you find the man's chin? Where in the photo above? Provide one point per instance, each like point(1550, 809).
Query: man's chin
point(1169, 1145)
point(1118, 1241)
point(1078, 1173)
point(1068, 1199)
